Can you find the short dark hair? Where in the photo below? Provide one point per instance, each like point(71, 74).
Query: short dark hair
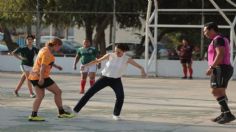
point(212, 25)
point(123, 47)
point(30, 36)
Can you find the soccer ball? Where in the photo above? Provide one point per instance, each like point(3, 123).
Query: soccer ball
point(67, 108)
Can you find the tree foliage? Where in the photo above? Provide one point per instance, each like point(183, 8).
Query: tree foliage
point(65, 13)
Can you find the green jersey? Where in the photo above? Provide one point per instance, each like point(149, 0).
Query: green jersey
point(28, 54)
point(87, 54)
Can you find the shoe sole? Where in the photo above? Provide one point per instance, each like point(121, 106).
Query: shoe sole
point(226, 121)
point(216, 120)
point(67, 117)
point(37, 120)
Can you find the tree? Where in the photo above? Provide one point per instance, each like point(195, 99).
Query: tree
point(14, 14)
point(54, 14)
point(100, 22)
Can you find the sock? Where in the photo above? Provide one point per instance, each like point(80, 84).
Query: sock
point(185, 71)
point(82, 84)
point(221, 108)
point(34, 114)
point(190, 72)
point(223, 103)
point(92, 82)
point(61, 110)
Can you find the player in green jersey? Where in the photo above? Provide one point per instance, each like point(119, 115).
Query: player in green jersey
point(26, 55)
point(86, 54)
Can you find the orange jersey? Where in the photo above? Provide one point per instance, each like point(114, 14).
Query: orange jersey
point(44, 57)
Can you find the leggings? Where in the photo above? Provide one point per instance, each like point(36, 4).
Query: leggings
point(102, 82)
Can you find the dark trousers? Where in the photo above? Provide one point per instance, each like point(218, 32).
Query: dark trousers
point(114, 83)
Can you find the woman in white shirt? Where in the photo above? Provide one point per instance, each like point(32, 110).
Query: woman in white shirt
point(111, 76)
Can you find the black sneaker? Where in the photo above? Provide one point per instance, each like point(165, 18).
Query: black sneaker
point(218, 117)
point(190, 78)
point(226, 118)
point(184, 77)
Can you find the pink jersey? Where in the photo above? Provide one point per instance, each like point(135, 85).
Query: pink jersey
point(212, 52)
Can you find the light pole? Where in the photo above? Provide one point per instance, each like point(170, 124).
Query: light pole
point(38, 25)
point(114, 25)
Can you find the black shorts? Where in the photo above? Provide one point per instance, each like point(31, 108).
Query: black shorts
point(221, 76)
point(47, 82)
point(186, 61)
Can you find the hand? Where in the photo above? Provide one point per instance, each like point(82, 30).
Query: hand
point(23, 58)
point(74, 67)
point(59, 68)
point(209, 72)
point(82, 68)
point(41, 82)
point(99, 66)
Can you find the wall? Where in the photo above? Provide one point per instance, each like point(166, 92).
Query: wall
point(165, 68)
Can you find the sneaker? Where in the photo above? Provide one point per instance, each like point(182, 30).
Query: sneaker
point(218, 117)
point(36, 118)
point(190, 78)
point(16, 93)
point(226, 118)
point(66, 115)
point(117, 118)
point(184, 77)
point(32, 95)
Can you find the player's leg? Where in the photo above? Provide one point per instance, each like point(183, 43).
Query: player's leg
point(190, 69)
point(98, 85)
point(32, 95)
point(184, 67)
point(58, 101)
point(40, 92)
point(119, 92)
point(92, 74)
point(19, 85)
point(219, 82)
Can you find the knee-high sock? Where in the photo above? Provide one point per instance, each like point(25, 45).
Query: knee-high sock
point(190, 70)
point(61, 110)
point(185, 70)
point(221, 108)
point(223, 103)
point(34, 114)
point(82, 84)
point(92, 82)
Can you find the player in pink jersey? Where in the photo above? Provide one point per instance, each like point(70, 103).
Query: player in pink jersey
point(220, 70)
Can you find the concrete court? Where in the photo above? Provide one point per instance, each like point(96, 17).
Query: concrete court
point(151, 105)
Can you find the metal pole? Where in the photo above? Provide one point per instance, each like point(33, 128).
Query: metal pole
point(114, 25)
point(38, 20)
point(147, 35)
point(233, 41)
point(231, 2)
point(155, 36)
point(202, 35)
point(221, 12)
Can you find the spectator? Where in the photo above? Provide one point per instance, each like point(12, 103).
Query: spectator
point(185, 55)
